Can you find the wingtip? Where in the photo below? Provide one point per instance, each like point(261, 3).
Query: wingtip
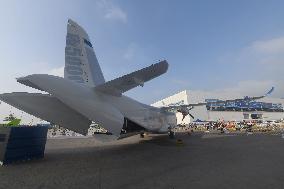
point(270, 91)
point(70, 21)
point(165, 64)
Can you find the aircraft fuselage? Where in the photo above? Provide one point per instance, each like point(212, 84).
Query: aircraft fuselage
point(102, 108)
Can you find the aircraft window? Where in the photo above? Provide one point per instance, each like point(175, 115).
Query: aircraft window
point(88, 43)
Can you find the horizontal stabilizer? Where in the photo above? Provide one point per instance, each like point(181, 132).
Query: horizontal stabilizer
point(48, 108)
point(81, 99)
point(28, 83)
point(122, 84)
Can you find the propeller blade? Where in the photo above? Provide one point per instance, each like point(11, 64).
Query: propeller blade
point(183, 116)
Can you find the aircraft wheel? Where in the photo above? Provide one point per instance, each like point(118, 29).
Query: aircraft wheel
point(142, 135)
point(171, 134)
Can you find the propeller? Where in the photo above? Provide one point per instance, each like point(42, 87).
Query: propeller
point(191, 115)
point(185, 112)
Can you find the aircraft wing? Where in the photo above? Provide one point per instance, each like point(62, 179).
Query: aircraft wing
point(48, 108)
point(250, 98)
point(122, 84)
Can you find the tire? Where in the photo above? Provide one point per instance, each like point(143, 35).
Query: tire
point(171, 134)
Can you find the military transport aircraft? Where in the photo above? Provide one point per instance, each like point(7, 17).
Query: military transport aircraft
point(83, 96)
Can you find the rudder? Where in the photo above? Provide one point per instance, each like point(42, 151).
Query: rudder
point(81, 64)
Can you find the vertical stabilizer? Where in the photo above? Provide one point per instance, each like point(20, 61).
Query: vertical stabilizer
point(81, 64)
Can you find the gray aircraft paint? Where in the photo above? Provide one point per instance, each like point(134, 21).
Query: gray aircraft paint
point(81, 64)
point(83, 94)
point(75, 101)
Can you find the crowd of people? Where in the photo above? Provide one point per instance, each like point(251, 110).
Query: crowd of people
point(230, 126)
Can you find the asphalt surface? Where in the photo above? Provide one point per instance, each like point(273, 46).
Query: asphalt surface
point(202, 161)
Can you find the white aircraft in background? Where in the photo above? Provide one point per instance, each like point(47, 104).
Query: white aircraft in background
point(83, 96)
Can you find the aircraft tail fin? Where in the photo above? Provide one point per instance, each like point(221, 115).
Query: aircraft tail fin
point(81, 64)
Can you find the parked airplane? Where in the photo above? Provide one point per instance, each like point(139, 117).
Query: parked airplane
point(83, 95)
point(185, 108)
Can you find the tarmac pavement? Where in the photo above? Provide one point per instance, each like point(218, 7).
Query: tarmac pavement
point(201, 161)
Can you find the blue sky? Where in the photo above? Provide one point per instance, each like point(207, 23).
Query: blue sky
point(210, 45)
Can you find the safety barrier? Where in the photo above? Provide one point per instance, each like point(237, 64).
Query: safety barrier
point(22, 143)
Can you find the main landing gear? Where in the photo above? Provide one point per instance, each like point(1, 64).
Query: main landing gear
point(171, 134)
point(142, 135)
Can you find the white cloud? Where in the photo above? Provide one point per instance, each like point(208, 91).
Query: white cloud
point(116, 13)
point(112, 11)
point(264, 52)
point(275, 45)
point(249, 88)
point(267, 52)
point(258, 66)
point(57, 71)
point(136, 56)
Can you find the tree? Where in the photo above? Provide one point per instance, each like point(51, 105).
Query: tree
point(13, 121)
point(11, 117)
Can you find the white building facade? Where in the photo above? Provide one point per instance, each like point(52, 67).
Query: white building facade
point(201, 112)
point(176, 99)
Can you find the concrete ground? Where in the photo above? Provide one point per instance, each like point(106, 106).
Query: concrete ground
point(203, 161)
